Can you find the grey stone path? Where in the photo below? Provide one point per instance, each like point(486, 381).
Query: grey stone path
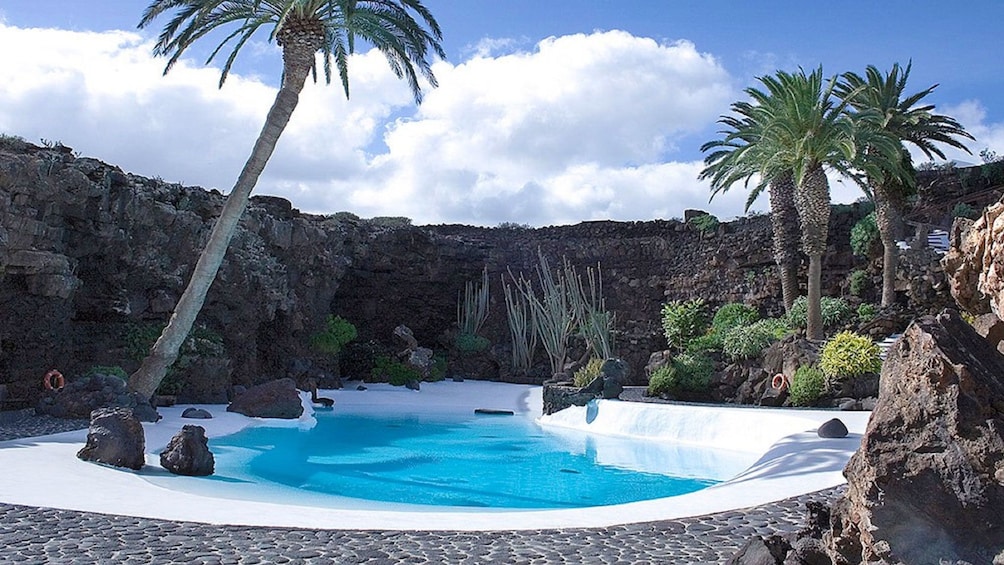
point(43, 535)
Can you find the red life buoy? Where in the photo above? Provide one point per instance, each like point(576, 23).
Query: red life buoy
point(54, 380)
point(779, 382)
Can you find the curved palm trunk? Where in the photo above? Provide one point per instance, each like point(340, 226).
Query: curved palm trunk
point(813, 202)
point(147, 378)
point(886, 218)
point(784, 220)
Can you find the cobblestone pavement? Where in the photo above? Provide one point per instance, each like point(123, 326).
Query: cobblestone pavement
point(43, 535)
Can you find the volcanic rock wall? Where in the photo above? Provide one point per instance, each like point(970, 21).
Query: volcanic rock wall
point(90, 253)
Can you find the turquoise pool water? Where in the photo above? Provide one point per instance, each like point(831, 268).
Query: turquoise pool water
point(466, 461)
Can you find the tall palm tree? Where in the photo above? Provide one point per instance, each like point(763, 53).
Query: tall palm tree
point(807, 131)
point(403, 30)
point(733, 158)
point(899, 116)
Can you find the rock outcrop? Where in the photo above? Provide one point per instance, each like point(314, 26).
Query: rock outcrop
point(83, 395)
point(188, 453)
point(274, 399)
point(115, 437)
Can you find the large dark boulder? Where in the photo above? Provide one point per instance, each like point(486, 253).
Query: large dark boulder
point(927, 484)
point(274, 399)
point(116, 438)
point(188, 453)
point(84, 395)
point(615, 373)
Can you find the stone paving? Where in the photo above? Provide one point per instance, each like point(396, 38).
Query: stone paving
point(43, 535)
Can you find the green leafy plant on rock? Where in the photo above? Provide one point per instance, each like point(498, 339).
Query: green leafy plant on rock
point(588, 372)
point(733, 315)
point(806, 386)
point(848, 354)
point(470, 344)
point(834, 311)
point(866, 312)
point(864, 235)
point(746, 342)
point(687, 373)
point(682, 321)
point(704, 222)
point(858, 282)
point(394, 372)
point(336, 333)
point(111, 371)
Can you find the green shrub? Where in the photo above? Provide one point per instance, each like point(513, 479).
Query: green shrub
point(848, 354)
point(864, 235)
point(745, 342)
point(588, 372)
point(394, 372)
point(859, 282)
point(112, 371)
point(438, 370)
point(469, 344)
point(866, 312)
point(682, 321)
point(704, 222)
point(733, 315)
point(834, 311)
point(337, 332)
point(708, 342)
point(806, 386)
point(687, 373)
point(963, 210)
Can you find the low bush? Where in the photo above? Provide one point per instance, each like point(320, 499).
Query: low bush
point(866, 312)
point(682, 321)
point(708, 342)
point(745, 342)
point(336, 333)
point(588, 372)
point(834, 311)
point(806, 386)
point(469, 344)
point(858, 282)
point(394, 372)
point(704, 222)
point(963, 210)
point(848, 354)
point(687, 373)
point(733, 315)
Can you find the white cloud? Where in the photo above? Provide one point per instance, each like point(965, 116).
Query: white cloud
point(583, 127)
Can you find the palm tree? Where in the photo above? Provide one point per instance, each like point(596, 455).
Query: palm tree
point(733, 158)
point(806, 131)
point(403, 30)
point(899, 116)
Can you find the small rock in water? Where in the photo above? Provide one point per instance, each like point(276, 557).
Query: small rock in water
point(572, 471)
point(494, 411)
point(196, 413)
point(360, 387)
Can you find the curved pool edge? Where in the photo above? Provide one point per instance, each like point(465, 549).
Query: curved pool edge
point(45, 472)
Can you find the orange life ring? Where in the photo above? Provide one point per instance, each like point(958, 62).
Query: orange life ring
point(779, 382)
point(54, 380)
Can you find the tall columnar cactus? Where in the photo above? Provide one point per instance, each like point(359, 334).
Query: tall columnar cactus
point(521, 323)
point(472, 305)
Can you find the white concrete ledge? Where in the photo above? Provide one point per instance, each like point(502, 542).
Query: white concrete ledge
point(790, 459)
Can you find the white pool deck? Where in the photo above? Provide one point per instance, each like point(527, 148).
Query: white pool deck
point(790, 460)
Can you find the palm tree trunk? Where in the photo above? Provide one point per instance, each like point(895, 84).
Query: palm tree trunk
point(813, 202)
point(885, 219)
point(784, 221)
point(147, 378)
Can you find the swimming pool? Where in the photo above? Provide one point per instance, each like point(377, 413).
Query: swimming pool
point(450, 459)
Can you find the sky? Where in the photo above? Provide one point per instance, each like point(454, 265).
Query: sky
point(546, 113)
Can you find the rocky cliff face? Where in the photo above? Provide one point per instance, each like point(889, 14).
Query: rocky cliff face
point(92, 257)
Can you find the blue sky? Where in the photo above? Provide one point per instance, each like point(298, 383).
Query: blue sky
point(547, 113)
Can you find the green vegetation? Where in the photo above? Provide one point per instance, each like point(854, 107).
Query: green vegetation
point(704, 222)
point(588, 372)
point(472, 306)
point(833, 310)
point(470, 344)
point(337, 332)
point(864, 235)
point(848, 354)
point(391, 221)
point(13, 142)
point(858, 282)
point(201, 342)
point(963, 210)
point(746, 342)
point(733, 315)
point(806, 386)
point(394, 372)
point(866, 312)
point(682, 321)
point(687, 373)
